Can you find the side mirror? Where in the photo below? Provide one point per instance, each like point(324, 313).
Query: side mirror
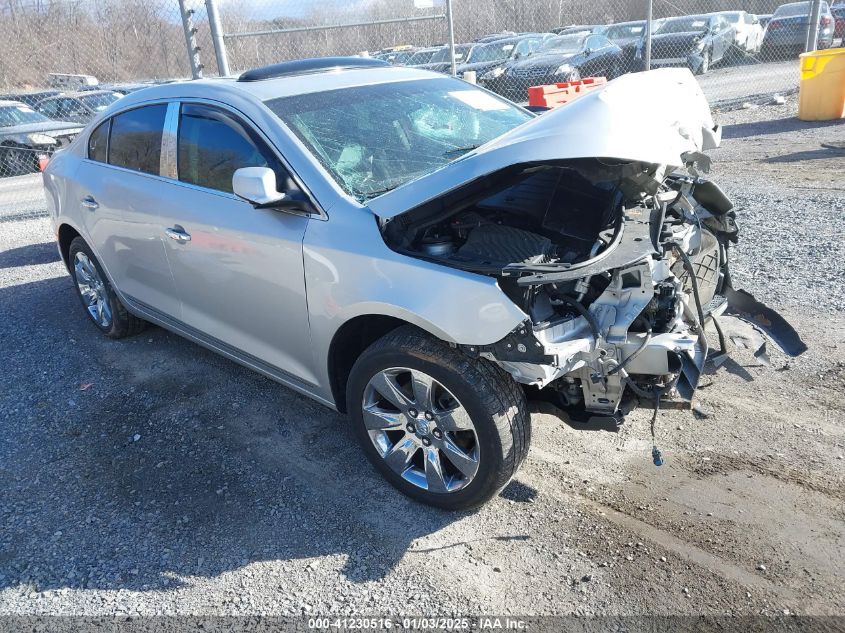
point(258, 186)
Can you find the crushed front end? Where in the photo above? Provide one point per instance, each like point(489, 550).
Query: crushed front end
point(617, 265)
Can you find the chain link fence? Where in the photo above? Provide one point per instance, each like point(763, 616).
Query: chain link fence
point(63, 60)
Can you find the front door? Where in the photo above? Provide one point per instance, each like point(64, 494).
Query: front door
point(238, 270)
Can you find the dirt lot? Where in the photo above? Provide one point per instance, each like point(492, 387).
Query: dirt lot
point(151, 476)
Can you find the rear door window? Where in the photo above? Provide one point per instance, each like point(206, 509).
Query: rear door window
point(135, 141)
point(213, 144)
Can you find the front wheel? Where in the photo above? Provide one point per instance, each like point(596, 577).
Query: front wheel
point(704, 66)
point(442, 427)
point(16, 161)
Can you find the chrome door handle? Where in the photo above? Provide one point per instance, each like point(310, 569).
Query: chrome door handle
point(89, 203)
point(178, 233)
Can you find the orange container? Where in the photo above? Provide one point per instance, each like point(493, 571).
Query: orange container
point(553, 95)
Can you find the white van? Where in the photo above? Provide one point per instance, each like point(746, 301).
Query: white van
point(63, 80)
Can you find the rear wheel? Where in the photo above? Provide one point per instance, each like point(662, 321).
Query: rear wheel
point(445, 429)
point(97, 296)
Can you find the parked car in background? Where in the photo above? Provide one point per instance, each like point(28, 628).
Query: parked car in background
point(26, 137)
point(838, 12)
point(488, 61)
point(786, 33)
point(422, 56)
point(495, 36)
point(748, 33)
point(694, 41)
point(628, 36)
point(396, 57)
point(578, 28)
point(440, 62)
point(29, 98)
point(66, 81)
point(77, 106)
point(562, 58)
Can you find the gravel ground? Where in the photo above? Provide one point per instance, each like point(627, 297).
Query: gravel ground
point(150, 476)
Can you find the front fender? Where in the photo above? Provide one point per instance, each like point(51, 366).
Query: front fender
point(350, 272)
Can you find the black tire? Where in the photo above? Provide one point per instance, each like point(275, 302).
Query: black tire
point(122, 323)
point(494, 401)
point(705, 63)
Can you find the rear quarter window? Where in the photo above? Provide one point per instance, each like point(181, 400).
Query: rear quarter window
point(135, 141)
point(98, 142)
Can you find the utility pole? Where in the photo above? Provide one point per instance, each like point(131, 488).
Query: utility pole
point(648, 19)
point(813, 26)
point(451, 23)
point(191, 40)
point(217, 38)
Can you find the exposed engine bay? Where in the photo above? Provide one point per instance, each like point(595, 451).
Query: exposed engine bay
point(617, 264)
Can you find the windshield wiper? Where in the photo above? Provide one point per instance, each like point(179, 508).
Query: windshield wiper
point(374, 194)
point(461, 150)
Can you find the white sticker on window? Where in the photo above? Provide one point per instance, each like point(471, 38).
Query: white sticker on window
point(479, 100)
point(507, 47)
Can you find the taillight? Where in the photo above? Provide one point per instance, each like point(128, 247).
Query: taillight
point(43, 159)
point(827, 20)
point(773, 26)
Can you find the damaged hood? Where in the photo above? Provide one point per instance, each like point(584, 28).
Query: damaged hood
point(652, 117)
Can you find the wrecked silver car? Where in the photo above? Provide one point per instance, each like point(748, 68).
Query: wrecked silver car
point(413, 250)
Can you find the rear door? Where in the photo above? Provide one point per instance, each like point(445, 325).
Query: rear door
point(238, 270)
point(120, 192)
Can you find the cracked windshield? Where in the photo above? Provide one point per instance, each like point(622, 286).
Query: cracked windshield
point(374, 138)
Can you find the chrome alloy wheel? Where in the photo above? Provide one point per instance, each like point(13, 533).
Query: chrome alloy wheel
point(92, 289)
point(421, 430)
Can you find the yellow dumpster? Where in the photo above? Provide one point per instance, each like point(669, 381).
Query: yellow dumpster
point(822, 90)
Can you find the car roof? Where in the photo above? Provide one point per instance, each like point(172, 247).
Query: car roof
point(290, 85)
point(9, 102)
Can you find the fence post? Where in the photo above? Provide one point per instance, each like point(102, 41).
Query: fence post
point(648, 19)
point(217, 38)
point(813, 26)
point(191, 40)
point(451, 23)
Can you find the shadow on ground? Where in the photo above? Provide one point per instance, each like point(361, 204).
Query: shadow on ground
point(30, 255)
point(773, 126)
point(139, 463)
point(812, 154)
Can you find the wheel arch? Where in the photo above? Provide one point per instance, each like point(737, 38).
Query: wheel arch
point(65, 235)
point(348, 343)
